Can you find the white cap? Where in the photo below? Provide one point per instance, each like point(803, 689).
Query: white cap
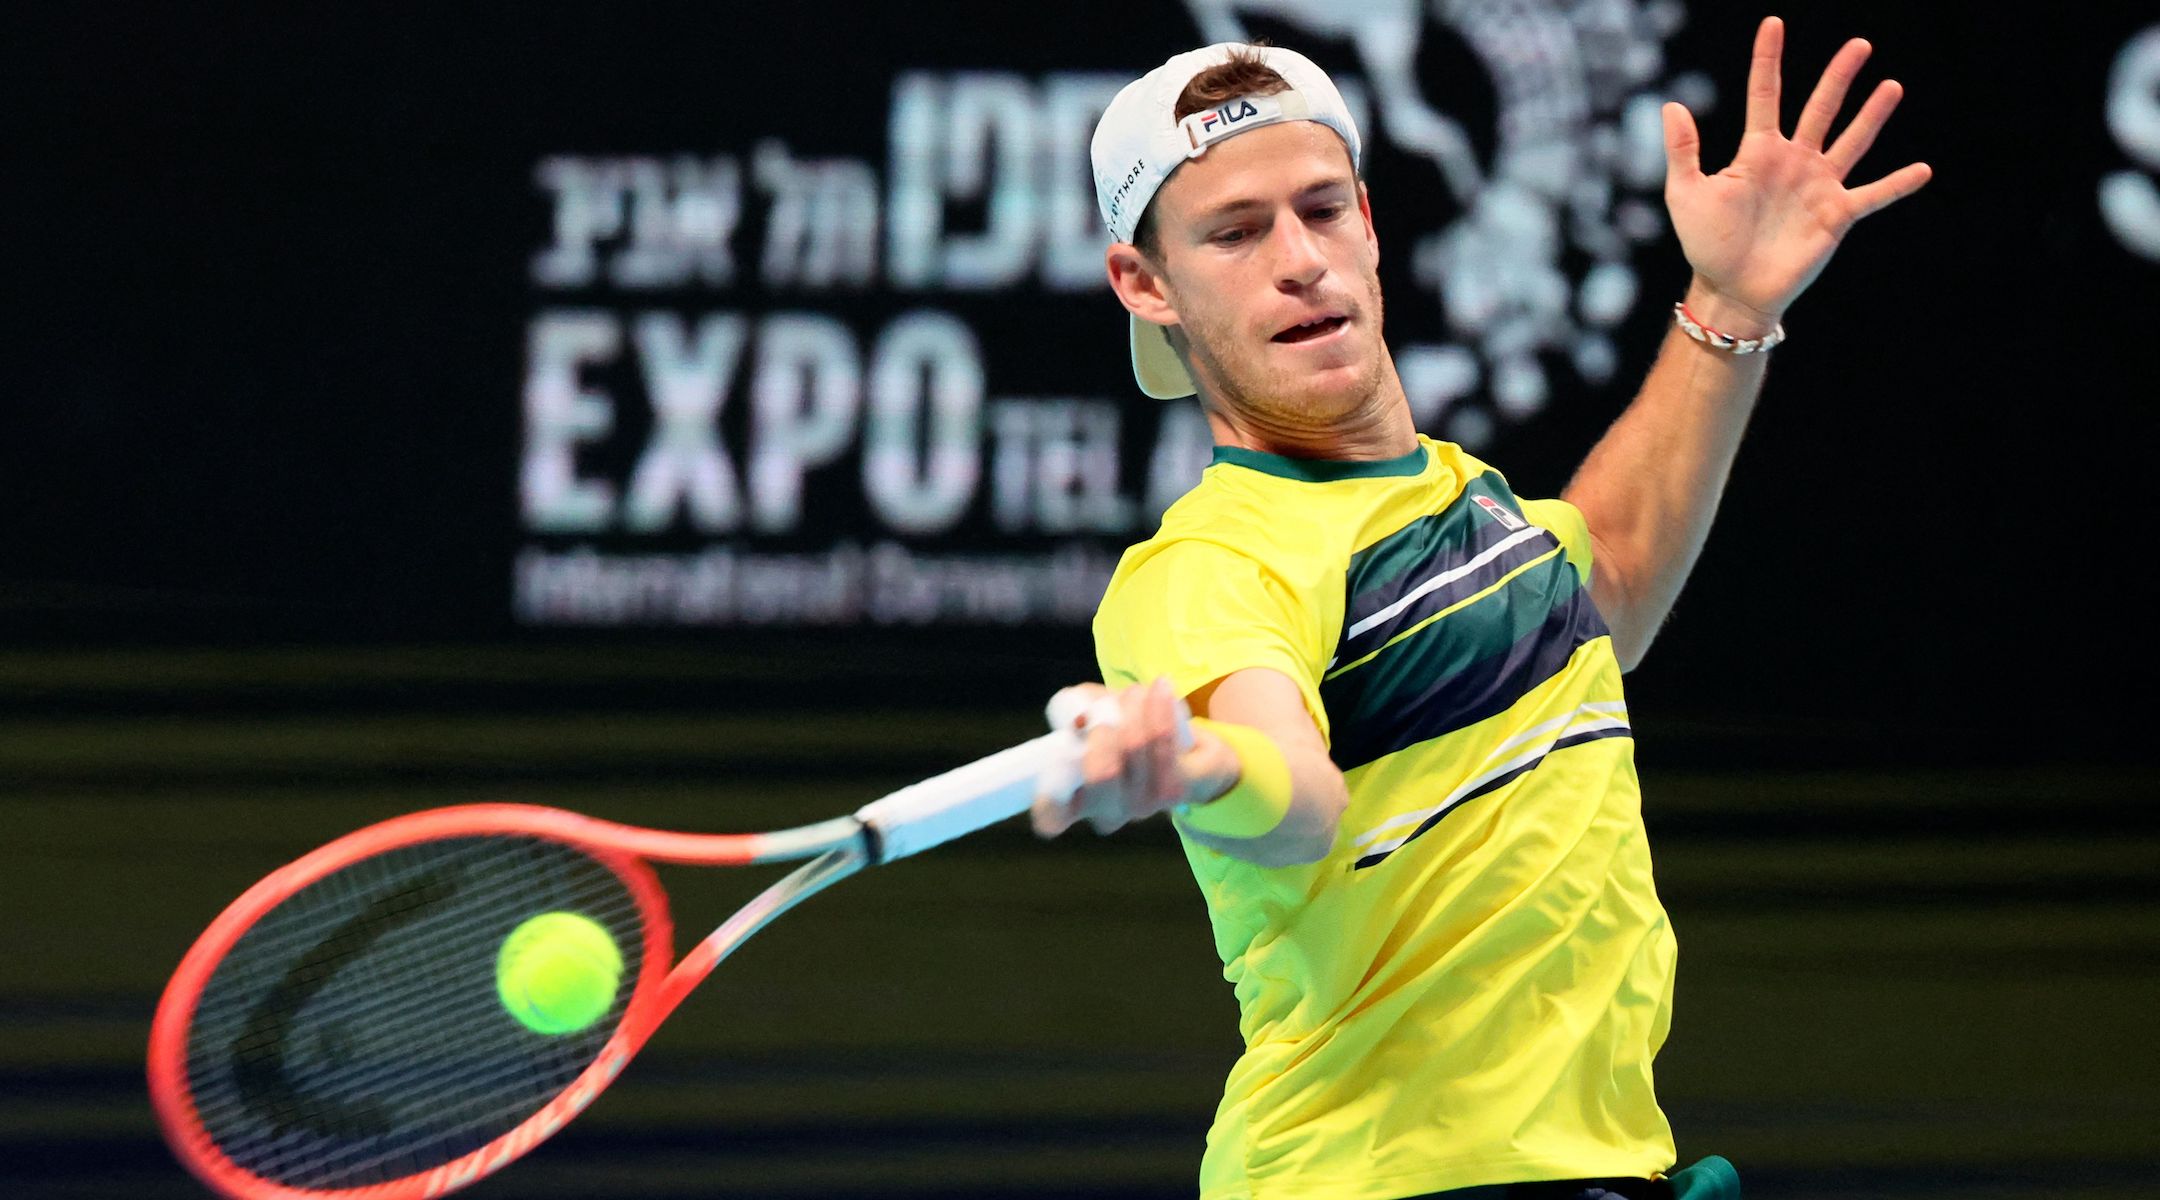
point(1139, 143)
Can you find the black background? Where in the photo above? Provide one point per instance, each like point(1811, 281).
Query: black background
point(271, 353)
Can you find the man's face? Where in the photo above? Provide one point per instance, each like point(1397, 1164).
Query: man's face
point(1269, 259)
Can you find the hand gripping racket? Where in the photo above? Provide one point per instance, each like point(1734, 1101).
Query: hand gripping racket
point(338, 1031)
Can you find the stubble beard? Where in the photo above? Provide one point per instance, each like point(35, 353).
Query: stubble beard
point(1268, 397)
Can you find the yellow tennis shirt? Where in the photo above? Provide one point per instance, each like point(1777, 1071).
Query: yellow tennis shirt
point(1470, 987)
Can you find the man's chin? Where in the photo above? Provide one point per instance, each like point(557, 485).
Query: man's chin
point(1303, 396)
point(1329, 393)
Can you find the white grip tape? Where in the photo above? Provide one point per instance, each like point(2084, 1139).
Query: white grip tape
point(1071, 710)
point(1067, 708)
point(988, 790)
point(965, 799)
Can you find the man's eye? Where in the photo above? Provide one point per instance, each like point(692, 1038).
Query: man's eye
point(1327, 212)
point(1228, 237)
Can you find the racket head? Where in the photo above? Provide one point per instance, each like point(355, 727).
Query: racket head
point(336, 1031)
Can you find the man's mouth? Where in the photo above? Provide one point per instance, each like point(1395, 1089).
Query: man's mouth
point(1318, 327)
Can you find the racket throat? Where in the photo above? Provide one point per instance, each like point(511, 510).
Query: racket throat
point(872, 844)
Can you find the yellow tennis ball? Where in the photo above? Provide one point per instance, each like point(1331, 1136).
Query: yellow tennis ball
point(557, 973)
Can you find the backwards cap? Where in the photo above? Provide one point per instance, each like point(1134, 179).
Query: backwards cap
point(1140, 142)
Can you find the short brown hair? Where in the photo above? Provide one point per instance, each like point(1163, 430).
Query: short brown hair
point(1244, 73)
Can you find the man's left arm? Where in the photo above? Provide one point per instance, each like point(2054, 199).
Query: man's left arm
point(1757, 234)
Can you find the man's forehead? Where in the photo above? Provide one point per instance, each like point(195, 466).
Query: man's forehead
point(1265, 164)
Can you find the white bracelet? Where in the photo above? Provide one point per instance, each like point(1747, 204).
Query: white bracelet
point(1724, 341)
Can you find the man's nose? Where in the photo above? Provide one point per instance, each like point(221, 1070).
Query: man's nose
point(1301, 258)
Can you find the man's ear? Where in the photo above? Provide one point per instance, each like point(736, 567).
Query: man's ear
point(1138, 283)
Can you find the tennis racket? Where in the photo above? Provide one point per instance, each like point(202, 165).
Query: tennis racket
point(337, 1031)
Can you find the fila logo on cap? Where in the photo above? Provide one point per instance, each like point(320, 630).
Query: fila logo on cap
point(1203, 129)
point(1230, 114)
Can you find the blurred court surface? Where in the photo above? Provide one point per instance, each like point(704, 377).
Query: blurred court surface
point(1907, 982)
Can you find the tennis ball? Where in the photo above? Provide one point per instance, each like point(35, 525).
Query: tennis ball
point(557, 972)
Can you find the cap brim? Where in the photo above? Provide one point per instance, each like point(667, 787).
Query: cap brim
point(1155, 365)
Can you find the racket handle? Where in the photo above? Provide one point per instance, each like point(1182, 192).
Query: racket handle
point(965, 799)
point(1005, 784)
point(1071, 709)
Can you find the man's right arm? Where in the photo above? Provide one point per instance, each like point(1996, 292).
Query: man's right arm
point(1131, 768)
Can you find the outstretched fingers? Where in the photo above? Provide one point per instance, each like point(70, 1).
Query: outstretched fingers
point(1829, 94)
point(1764, 84)
point(1891, 188)
point(1860, 135)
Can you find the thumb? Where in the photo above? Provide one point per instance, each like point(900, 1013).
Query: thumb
point(1683, 146)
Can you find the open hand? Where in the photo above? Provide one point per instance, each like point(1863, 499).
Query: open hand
point(1759, 231)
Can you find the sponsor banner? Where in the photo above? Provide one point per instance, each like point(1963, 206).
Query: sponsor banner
point(774, 380)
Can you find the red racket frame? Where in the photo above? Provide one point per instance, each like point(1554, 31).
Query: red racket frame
point(627, 850)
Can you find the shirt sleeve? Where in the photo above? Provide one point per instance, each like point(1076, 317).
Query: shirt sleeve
point(1196, 611)
point(1565, 521)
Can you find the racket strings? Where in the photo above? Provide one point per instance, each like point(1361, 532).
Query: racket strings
point(355, 1035)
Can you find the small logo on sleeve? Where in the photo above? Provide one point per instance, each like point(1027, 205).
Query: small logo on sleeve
point(1499, 512)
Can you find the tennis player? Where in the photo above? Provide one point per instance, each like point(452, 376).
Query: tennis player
point(1410, 798)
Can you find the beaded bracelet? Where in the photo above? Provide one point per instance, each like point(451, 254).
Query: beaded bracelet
point(1724, 341)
